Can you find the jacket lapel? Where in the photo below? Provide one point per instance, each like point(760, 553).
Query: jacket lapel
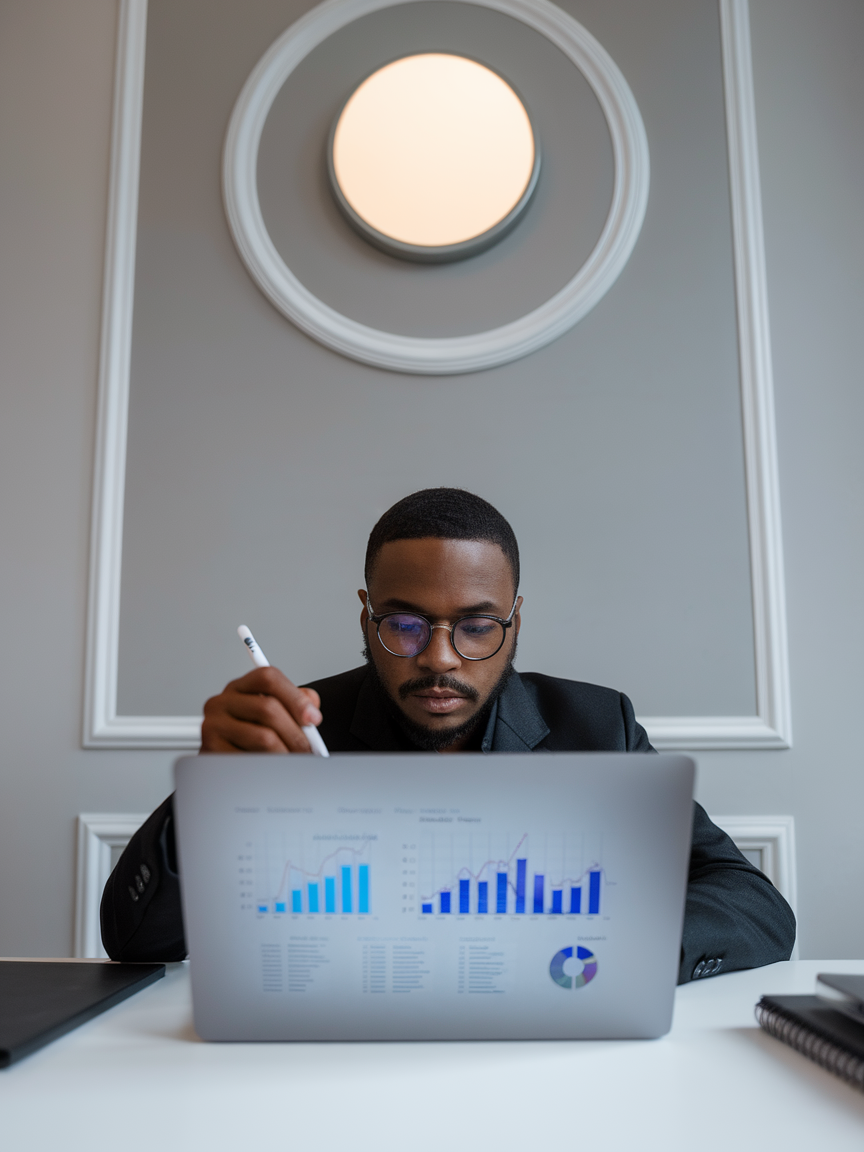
point(515, 724)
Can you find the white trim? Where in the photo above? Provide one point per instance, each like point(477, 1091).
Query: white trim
point(98, 833)
point(146, 732)
point(769, 728)
point(773, 703)
point(774, 836)
point(435, 355)
point(701, 733)
point(667, 733)
point(118, 292)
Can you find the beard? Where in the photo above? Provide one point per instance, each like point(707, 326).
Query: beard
point(423, 736)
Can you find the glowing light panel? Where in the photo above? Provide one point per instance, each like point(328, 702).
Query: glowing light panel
point(433, 150)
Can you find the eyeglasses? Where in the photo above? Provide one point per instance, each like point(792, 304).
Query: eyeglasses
point(474, 637)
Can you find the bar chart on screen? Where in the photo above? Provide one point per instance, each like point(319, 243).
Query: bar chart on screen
point(528, 874)
point(320, 874)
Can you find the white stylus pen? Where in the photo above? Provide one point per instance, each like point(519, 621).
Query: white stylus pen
point(319, 748)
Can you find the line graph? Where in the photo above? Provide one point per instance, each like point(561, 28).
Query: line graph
point(484, 874)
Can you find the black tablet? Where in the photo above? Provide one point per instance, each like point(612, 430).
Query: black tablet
point(42, 999)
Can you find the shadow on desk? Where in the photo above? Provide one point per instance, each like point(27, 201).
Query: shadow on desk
point(186, 1034)
point(811, 1077)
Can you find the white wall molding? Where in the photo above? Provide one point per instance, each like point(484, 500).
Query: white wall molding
point(98, 833)
point(436, 355)
point(773, 703)
point(770, 727)
point(101, 722)
point(773, 837)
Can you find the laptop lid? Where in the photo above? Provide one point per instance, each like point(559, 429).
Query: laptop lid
point(419, 897)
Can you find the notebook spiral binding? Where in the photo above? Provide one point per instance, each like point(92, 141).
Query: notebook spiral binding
point(809, 1043)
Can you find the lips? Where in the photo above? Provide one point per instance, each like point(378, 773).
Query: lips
point(438, 703)
point(438, 695)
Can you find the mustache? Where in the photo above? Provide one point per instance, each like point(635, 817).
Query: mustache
point(424, 682)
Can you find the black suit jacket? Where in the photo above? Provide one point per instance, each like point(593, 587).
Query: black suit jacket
point(734, 917)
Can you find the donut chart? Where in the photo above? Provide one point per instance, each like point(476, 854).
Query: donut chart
point(589, 970)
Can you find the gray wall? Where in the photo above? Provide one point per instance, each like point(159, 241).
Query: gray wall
point(56, 78)
point(56, 64)
point(809, 106)
point(616, 451)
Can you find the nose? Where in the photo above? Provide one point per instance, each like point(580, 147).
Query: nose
point(439, 656)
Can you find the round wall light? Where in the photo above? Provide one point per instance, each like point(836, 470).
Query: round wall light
point(433, 157)
point(435, 355)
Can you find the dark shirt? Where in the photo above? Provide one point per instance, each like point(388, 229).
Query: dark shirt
point(734, 917)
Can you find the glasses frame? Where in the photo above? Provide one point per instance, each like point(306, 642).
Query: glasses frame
point(451, 628)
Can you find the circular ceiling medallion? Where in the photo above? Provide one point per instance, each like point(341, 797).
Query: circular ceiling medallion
point(443, 354)
point(433, 157)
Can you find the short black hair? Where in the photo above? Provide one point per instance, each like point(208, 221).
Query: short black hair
point(444, 514)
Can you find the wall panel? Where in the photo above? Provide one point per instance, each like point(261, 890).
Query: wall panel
point(257, 460)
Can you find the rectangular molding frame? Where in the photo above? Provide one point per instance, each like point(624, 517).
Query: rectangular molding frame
point(98, 833)
point(769, 728)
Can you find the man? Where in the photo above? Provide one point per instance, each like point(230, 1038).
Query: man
point(440, 617)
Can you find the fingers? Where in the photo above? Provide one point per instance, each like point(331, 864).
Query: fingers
point(231, 735)
point(261, 712)
point(269, 715)
point(212, 741)
point(314, 697)
point(301, 703)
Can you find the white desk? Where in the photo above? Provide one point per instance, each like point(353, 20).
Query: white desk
point(138, 1078)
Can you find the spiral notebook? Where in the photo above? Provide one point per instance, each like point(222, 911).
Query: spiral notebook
point(824, 1034)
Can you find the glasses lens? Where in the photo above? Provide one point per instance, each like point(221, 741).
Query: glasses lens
point(403, 635)
point(477, 637)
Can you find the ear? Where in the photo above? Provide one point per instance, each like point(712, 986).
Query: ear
point(364, 615)
point(517, 619)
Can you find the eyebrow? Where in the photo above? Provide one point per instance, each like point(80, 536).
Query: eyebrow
point(483, 607)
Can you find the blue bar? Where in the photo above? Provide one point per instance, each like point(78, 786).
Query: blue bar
point(575, 899)
point(594, 893)
point(329, 894)
point(483, 896)
point(556, 900)
point(464, 895)
point(280, 906)
point(521, 867)
point(538, 893)
point(445, 902)
point(263, 908)
point(347, 905)
point(427, 907)
point(501, 893)
point(363, 889)
point(313, 897)
point(296, 903)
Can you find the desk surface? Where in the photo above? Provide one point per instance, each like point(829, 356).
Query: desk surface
point(138, 1078)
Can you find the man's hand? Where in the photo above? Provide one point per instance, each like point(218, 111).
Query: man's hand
point(261, 712)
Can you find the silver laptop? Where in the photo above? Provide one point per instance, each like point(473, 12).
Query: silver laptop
point(425, 897)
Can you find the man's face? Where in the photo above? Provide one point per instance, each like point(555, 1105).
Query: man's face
point(439, 690)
